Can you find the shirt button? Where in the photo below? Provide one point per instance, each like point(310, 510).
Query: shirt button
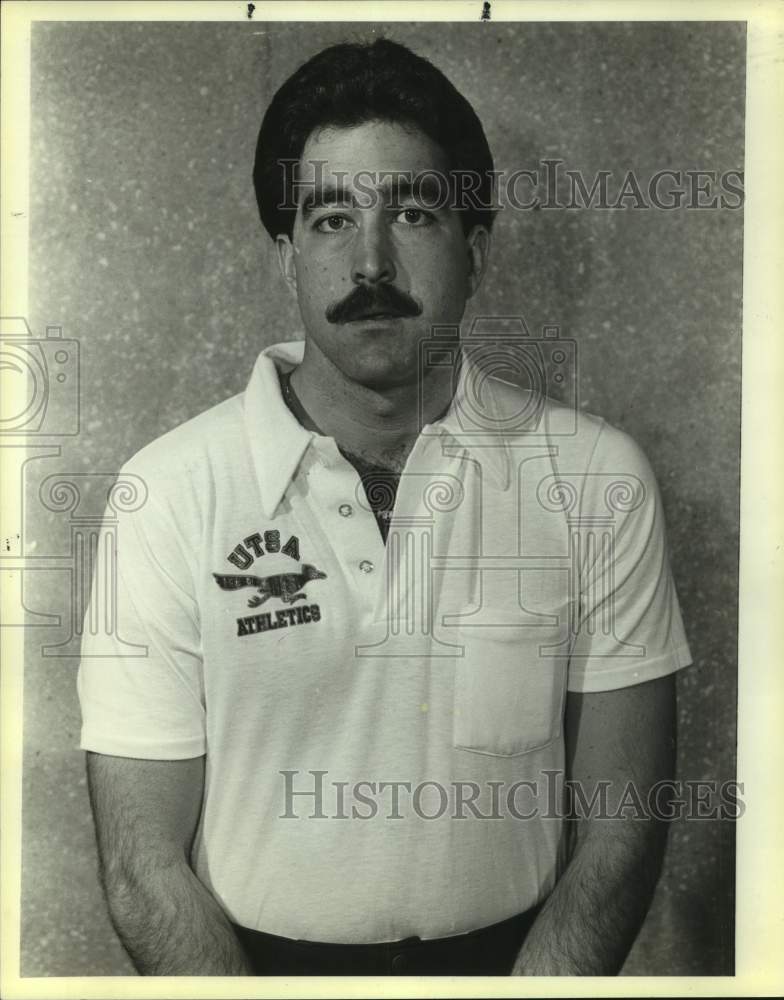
point(366, 566)
point(345, 510)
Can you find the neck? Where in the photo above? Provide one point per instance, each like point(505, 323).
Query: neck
point(378, 424)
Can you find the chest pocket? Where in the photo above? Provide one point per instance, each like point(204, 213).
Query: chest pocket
point(510, 686)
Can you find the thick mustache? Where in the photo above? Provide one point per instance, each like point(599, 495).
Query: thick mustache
point(365, 301)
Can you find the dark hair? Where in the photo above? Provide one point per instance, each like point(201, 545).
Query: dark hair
point(349, 84)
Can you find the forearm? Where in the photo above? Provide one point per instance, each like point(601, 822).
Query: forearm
point(592, 917)
point(171, 925)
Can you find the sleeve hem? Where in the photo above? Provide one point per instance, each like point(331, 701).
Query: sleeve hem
point(629, 673)
point(146, 750)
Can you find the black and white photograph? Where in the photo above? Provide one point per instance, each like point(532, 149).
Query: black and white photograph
point(372, 453)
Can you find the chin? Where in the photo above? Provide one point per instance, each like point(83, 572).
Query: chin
point(380, 378)
point(381, 367)
point(380, 372)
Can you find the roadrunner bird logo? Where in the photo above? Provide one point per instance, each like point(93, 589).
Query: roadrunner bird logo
point(286, 586)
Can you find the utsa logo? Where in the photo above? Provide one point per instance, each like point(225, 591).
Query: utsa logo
point(286, 586)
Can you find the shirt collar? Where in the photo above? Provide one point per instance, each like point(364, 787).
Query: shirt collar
point(476, 421)
point(278, 442)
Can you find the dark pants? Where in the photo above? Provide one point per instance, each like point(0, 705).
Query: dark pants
point(490, 951)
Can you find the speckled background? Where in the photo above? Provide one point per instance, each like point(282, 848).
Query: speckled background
point(147, 249)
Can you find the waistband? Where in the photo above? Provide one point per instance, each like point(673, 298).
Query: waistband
point(488, 951)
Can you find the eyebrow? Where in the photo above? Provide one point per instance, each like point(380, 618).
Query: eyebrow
point(394, 190)
point(423, 189)
point(321, 195)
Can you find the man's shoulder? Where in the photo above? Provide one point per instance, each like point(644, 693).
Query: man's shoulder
point(580, 438)
point(193, 447)
point(526, 413)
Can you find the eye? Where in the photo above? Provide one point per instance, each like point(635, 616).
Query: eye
point(414, 217)
point(332, 224)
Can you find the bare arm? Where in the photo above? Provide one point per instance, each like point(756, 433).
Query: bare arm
point(589, 923)
point(146, 812)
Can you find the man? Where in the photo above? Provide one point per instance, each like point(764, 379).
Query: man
point(388, 602)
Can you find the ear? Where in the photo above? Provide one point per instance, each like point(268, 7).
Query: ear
point(285, 249)
point(478, 241)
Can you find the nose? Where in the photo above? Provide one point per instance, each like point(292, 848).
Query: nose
point(373, 260)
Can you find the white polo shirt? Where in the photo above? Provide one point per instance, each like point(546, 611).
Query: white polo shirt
point(380, 723)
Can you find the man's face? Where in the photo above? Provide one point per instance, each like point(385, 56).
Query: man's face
point(372, 269)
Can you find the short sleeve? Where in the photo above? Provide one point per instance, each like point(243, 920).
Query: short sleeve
point(629, 626)
point(140, 679)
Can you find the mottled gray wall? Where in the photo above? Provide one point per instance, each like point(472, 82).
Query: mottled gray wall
point(146, 247)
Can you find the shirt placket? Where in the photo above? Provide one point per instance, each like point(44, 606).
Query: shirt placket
point(406, 598)
point(348, 522)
